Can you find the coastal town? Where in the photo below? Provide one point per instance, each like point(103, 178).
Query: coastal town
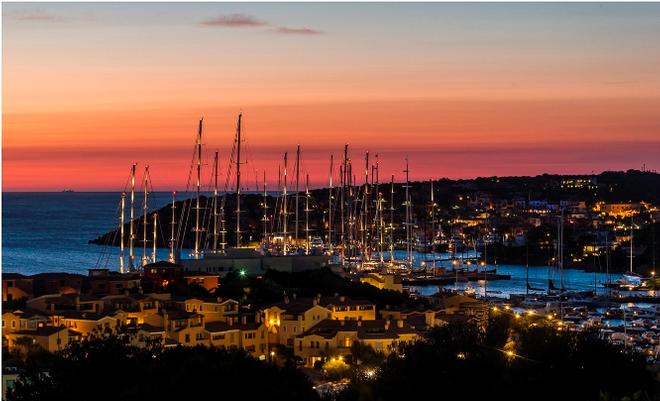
point(330, 201)
point(227, 283)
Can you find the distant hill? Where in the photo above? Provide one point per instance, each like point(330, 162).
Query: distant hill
point(610, 186)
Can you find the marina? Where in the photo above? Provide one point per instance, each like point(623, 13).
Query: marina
point(330, 201)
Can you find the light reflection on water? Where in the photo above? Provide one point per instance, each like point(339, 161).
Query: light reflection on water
point(49, 232)
point(574, 279)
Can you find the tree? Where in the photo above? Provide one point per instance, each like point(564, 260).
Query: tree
point(508, 360)
point(335, 368)
point(110, 369)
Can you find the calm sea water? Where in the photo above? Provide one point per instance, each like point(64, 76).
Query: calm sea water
point(44, 232)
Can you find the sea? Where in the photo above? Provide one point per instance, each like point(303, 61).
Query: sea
point(50, 232)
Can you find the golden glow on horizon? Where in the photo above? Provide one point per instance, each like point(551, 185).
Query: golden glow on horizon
point(84, 98)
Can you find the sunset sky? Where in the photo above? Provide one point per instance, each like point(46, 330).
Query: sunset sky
point(463, 90)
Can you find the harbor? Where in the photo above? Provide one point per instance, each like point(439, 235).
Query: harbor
point(371, 231)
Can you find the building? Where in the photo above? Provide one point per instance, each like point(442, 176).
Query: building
point(135, 306)
point(103, 281)
point(58, 283)
point(208, 281)
point(250, 262)
point(251, 336)
point(336, 337)
point(53, 303)
point(50, 338)
point(157, 276)
point(383, 281)
point(16, 286)
point(89, 324)
point(617, 210)
point(185, 328)
point(23, 320)
point(344, 308)
point(214, 310)
point(290, 318)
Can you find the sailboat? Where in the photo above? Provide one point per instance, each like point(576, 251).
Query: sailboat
point(630, 278)
point(210, 253)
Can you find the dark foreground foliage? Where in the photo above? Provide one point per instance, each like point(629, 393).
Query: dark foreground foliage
point(110, 370)
point(509, 361)
point(513, 359)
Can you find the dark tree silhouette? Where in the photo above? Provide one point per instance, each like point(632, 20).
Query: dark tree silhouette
point(508, 361)
point(109, 369)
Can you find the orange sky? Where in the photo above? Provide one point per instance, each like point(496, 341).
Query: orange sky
point(463, 90)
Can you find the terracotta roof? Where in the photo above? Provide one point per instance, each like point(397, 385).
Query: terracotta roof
point(151, 329)
point(300, 305)
point(161, 263)
point(343, 301)
point(57, 275)
point(84, 315)
point(296, 306)
point(41, 331)
point(366, 329)
point(178, 314)
point(218, 327)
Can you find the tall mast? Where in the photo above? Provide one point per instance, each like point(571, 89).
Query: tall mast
point(223, 225)
point(264, 237)
point(155, 237)
point(285, 231)
point(432, 226)
point(408, 217)
point(297, 191)
point(215, 203)
point(342, 217)
point(365, 207)
point(145, 183)
point(381, 222)
point(121, 231)
point(392, 220)
point(172, 224)
point(344, 176)
point(379, 209)
point(632, 228)
point(307, 214)
point(131, 238)
point(607, 260)
point(198, 188)
point(238, 182)
point(330, 206)
point(561, 249)
point(351, 212)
